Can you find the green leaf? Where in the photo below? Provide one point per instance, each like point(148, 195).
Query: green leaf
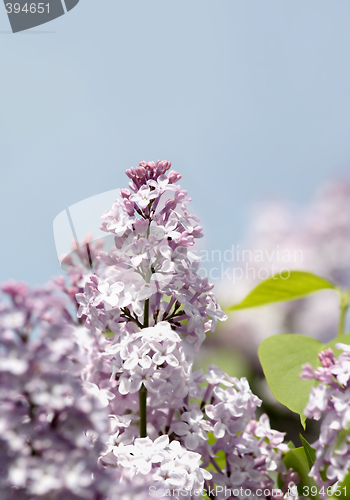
point(309, 451)
point(220, 456)
point(297, 460)
point(108, 333)
point(281, 357)
point(286, 285)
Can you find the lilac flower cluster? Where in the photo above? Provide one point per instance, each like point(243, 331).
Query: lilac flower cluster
point(160, 464)
point(52, 431)
point(251, 449)
point(154, 310)
point(137, 359)
point(227, 426)
point(107, 404)
point(331, 399)
point(151, 263)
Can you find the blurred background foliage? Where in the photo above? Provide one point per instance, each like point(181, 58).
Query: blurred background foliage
point(319, 236)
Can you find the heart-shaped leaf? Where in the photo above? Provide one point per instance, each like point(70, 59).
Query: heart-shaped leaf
point(282, 356)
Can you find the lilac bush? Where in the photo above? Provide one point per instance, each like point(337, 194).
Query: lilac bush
point(98, 396)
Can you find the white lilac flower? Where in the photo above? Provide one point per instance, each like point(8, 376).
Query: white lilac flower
point(193, 427)
point(83, 301)
point(161, 184)
point(103, 395)
point(144, 196)
point(163, 353)
point(118, 225)
point(138, 252)
point(109, 294)
point(138, 356)
point(168, 464)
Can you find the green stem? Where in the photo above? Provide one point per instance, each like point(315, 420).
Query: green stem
point(143, 390)
point(146, 314)
point(143, 411)
point(344, 304)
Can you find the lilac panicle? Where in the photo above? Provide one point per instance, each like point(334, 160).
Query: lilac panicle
point(156, 308)
point(71, 384)
point(52, 431)
point(331, 399)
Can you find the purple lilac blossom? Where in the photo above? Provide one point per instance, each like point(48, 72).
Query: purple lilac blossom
point(52, 430)
point(154, 309)
point(69, 397)
point(330, 399)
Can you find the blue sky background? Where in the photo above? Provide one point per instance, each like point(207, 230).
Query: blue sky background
point(249, 100)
